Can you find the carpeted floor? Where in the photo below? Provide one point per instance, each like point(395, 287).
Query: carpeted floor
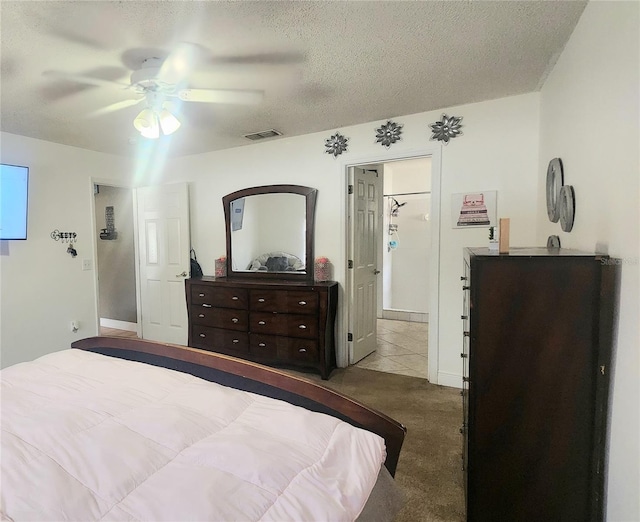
point(430, 466)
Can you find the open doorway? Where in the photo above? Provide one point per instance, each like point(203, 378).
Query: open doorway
point(115, 261)
point(402, 267)
point(142, 245)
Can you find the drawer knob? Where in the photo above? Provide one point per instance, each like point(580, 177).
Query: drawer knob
point(262, 345)
point(262, 323)
point(235, 298)
point(202, 335)
point(235, 320)
point(200, 295)
point(205, 305)
point(261, 300)
point(235, 341)
point(303, 327)
point(302, 350)
point(200, 315)
point(302, 303)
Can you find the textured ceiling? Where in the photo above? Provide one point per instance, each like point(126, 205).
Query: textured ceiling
point(323, 65)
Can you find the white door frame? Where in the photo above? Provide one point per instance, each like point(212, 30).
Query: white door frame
point(435, 152)
point(94, 238)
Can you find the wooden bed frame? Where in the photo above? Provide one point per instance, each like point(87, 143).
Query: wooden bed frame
point(255, 378)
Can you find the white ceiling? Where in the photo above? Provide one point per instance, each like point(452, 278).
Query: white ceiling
point(323, 65)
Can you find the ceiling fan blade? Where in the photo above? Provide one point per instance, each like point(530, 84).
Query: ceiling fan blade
point(114, 107)
point(87, 80)
point(241, 97)
point(86, 24)
point(180, 63)
point(273, 58)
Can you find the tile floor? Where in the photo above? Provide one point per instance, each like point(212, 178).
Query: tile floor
point(401, 348)
point(112, 332)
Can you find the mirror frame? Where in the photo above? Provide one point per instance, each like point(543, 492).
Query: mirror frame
point(310, 195)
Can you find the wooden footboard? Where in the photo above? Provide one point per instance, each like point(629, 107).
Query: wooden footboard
point(255, 378)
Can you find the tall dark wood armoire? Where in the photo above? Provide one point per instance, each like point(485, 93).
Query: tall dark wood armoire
point(538, 330)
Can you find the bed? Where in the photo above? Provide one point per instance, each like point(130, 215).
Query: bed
point(124, 429)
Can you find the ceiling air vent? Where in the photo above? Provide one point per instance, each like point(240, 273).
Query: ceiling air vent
point(262, 135)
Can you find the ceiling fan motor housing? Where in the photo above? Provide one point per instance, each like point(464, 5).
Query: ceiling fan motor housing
point(145, 79)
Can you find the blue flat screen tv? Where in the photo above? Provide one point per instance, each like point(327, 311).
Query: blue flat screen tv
point(14, 196)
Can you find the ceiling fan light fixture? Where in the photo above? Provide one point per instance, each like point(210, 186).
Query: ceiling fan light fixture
point(146, 120)
point(152, 133)
point(168, 122)
point(150, 123)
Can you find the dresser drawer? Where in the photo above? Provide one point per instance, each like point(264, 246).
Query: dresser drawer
point(263, 346)
point(283, 349)
point(220, 317)
point(298, 350)
point(219, 340)
point(289, 325)
point(284, 301)
point(219, 296)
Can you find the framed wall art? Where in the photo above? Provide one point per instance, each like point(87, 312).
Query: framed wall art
point(475, 209)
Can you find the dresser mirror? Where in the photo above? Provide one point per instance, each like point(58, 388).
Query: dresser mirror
point(270, 232)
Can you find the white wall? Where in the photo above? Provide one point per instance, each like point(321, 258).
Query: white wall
point(498, 151)
point(589, 118)
point(115, 259)
point(42, 287)
point(406, 268)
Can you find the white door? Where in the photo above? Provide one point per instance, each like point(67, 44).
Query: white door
point(365, 228)
point(164, 245)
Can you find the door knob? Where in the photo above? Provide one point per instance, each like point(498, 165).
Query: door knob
point(183, 274)
point(376, 271)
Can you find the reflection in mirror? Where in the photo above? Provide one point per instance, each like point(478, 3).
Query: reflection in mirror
point(268, 233)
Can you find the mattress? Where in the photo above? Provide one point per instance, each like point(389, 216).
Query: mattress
point(91, 437)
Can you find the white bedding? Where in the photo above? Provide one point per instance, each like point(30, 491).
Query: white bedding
point(90, 437)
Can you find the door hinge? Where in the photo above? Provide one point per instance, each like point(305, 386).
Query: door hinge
point(350, 263)
point(350, 191)
point(349, 336)
point(602, 369)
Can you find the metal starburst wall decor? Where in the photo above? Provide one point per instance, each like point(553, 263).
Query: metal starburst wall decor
point(336, 144)
point(388, 133)
point(447, 128)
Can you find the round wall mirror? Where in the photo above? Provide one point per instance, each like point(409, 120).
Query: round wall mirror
point(555, 180)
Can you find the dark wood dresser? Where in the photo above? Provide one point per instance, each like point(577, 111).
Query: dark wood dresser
point(538, 330)
point(276, 322)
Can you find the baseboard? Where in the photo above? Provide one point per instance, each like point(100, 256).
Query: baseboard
point(119, 325)
point(405, 315)
point(452, 380)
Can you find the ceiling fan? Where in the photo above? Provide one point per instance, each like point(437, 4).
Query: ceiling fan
point(158, 81)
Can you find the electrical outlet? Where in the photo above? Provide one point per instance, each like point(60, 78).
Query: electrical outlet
point(74, 326)
point(86, 264)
